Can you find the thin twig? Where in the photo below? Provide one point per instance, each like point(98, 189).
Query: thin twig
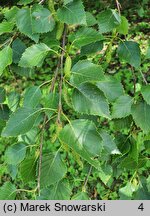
point(40, 156)
point(143, 77)
point(61, 75)
point(134, 79)
point(118, 7)
point(42, 1)
point(87, 177)
point(55, 77)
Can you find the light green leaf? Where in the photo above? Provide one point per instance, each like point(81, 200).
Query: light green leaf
point(93, 100)
point(141, 115)
point(129, 52)
point(6, 27)
point(108, 20)
point(24, 2)
point(122, 107)
point(25, 24)
point(58, 191)
point(53, 169)
point(67, 1)
point(84, 71)
point(81, 196)
point(32, 96)
point(146, 93)
point(90, 19)
point(42, 20)
point(28, 169)
point(5, 58)
point(10, 14)
point(20, 122)
point(13, 101)
point(34, 55)
point(126, 192)
point(85, 36)
point(15, 153)
point(111, 87)
point(106, 173)
point(82, 137)
point(7, 191)
point(109, 143)
point(2, 95)
point(72, 13)
point(18, 48)
point(124, 26)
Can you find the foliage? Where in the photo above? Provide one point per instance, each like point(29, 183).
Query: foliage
point(74, 103)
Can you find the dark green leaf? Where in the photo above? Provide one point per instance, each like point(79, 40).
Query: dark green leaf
point(32, 96)
point(122, 107)
point(28, 169)
point(53, 169)
point(15, 153)
point(129, 52)
point(93, 100)
point(84, 71)
point(24, 119)
point(72, 13)
point(146, 93)
point(140, 113)
point(108, 20)
point(82, 137)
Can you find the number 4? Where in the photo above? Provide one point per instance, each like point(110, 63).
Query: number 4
point(141, 207)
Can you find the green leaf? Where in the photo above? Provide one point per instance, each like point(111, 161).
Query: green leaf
point(122, 107)
point(2, 95)
point(18, 48)
point(4, 112)
point(111, 87)
point(93, 100)
point(5, 58)
point(109, 143)
point(90, 19)
point(15, 153)
point(28, 169)
point(85, 36)
point(24, 2)
point(32, 96)
point(25, 24)
point(59, 191)
point(92, 48)
point(13, 101)
point(10, 14)
point(72, 13)
point(20, 122)
point(140, 113)
point(42, 20)
point(67, 1)
point(34, 55)
point(53, 169)
point(106, 173)
point(108, 20)
point(84, 71)
point(82, 137)
point(126, 192)
point(146, 93)
point(81, 196)
point(124, 26)
point(129, 52)
point(6, 27)
point(7, 191)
